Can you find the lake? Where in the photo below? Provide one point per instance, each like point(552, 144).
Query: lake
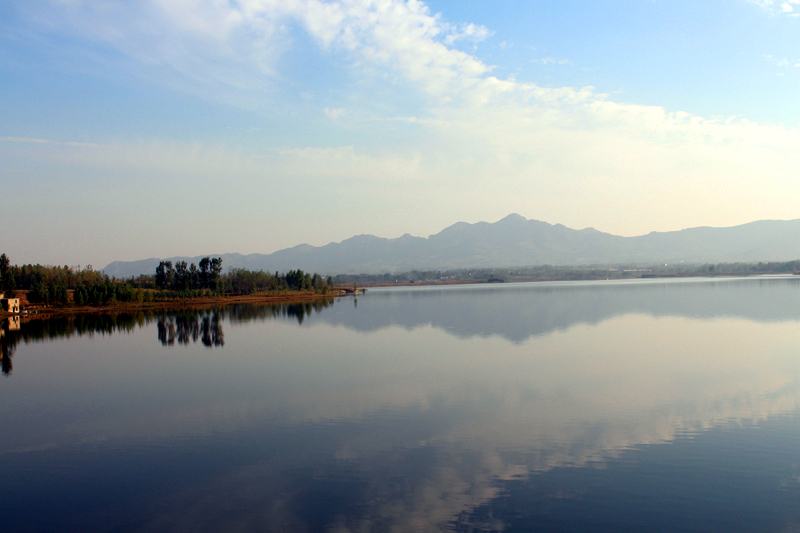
point(643, 405)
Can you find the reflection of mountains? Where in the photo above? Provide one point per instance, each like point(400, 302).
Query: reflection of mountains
point(419, 440)
point(398, 432)
point(514, 311)
point(520, 311)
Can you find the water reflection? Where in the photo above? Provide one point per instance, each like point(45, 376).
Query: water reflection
point(514, 311)
point(32, 330)
point(260, 312)
point(672, 409)
point(186, 327)
point(520, 311)
point(180, 327)
point(6, 350)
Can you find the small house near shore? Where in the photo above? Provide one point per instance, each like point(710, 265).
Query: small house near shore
point(9, 305)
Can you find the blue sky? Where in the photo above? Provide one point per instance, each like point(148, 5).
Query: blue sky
point(159, 128)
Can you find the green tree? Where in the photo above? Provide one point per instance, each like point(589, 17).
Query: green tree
point(39, 293)
point(58, 294)
point(165, 275)
point(181, 281)
point(80, 294)
point(7, 281)
point(215, 272)
point(205, 274)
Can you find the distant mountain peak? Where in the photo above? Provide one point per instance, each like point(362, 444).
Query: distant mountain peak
point(513, 217)
point(515, 241)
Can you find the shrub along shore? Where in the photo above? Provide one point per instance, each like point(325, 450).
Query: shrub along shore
point(198, 302)
point(65, 290)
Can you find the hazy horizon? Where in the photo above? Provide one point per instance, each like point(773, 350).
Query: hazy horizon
point(513, 241)
point(102, 265)
point(392, 237)
point(158, 128)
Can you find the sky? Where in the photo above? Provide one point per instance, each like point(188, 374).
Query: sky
point(156, 128)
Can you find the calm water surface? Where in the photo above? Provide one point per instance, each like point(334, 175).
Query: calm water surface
point(600, 406)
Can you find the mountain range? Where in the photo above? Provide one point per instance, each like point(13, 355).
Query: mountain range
point(513, 241)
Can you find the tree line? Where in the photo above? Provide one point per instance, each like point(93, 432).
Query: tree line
point(103, 292)
point(57, 285)
point(242, 281)
point(184, 279)
point(52, 285)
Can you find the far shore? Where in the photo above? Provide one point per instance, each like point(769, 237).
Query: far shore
point(286, 297)
point(538, 279)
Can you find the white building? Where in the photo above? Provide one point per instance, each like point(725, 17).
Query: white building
point(9, 305)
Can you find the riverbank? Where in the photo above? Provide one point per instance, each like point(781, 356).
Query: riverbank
point(33, 310)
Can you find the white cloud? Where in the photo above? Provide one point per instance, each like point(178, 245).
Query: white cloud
point(239, 44)
point(401, 36)
point(471, 32)
point(787, 7)
point(780, 62)
point(487, 145)
point(335, 113)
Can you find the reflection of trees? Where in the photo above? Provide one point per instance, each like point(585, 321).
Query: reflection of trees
point(80, 325)
point(298, 311)
point(181, 327)
point(7, 345)
point(191, 326)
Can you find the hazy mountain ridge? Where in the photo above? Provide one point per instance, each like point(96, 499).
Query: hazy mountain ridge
point(514, 241)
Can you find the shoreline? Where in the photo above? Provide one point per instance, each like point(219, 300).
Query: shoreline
point(203, 302)
point(530, 279)
point(30, 311)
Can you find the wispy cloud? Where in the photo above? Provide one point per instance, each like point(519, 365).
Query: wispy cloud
point(335, 113)
point(47, 141)
point(783, 64)
point(780, 7)
point(469, 32)
point(552, 61)
point(567, 154)
point(239, 44)
point(402, 36)
point(780, 62)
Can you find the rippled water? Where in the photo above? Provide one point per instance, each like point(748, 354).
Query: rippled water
point(600, 406)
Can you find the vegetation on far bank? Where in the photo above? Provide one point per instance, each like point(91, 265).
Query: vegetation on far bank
point(566, 272)
point(74, 286)
point(64, 286)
